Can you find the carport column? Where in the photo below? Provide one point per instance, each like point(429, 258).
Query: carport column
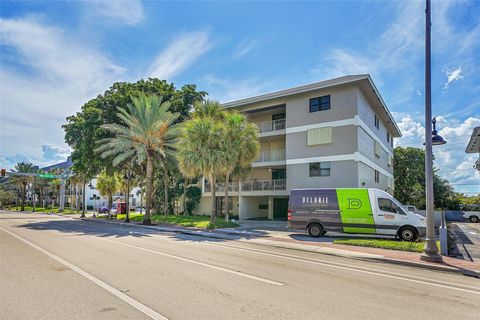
point(241, 207)
point(270, 208)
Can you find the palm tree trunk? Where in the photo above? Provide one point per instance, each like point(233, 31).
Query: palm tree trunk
point(225, 200)
point(127, 202)
point(24, 191)
point(146, 218)
point(214, 202)
point(165, 186)
point(185, 197)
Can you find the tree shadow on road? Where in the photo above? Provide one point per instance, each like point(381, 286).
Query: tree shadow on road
point(101, 229)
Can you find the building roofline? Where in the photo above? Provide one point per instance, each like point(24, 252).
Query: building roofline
point(473, 145)
point(316, 86)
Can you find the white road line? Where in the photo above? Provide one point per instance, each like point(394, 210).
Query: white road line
point(134, 303)
point(381, 273)
point(237, 273)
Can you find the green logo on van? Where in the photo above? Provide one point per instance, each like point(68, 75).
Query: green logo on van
point(354, 203)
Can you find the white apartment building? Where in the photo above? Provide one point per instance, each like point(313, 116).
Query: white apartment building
point(330, 134)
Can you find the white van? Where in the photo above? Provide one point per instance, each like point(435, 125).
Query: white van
point(365, 211)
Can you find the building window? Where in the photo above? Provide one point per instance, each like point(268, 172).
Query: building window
point(377, 122)
point(391, 141)
point(388, 137)
point(319, 169)
point(320, 104)
point(377, 149)
point(377, 176)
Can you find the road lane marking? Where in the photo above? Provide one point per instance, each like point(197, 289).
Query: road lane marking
point(134, 303)
point(237, 273)
point(382, 273)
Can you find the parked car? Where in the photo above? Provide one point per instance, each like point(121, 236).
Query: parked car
point(473, 216)
point(411, 208)
point(138, 209)
point(364, 211)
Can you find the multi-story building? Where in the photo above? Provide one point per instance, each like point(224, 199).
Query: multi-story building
point(330, 134)
point(474, 146)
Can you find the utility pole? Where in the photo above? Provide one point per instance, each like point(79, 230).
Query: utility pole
point(430, 251)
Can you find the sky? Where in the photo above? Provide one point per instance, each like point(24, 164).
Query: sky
point(55, 56)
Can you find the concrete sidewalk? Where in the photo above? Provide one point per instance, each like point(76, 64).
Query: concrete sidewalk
point(289, 240)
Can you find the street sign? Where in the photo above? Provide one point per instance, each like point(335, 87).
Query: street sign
point(48, 176)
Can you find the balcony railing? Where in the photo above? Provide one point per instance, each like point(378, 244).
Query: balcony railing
point(273, 155)
point(254, 185)
point(264, 185)
point(269, 126)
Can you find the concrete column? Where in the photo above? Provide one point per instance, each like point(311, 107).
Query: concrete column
point(241, 207)
point(270, 208)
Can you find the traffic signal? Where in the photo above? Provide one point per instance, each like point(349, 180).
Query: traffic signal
point(4, 172)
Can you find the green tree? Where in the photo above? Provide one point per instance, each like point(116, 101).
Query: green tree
point(147, 134)
point(409, 175)
point(22, 181)
point(201, 149)
point(108, 184)
point(241, 143)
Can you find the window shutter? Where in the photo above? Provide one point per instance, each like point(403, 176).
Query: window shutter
point(319, 136)
point(378, 149)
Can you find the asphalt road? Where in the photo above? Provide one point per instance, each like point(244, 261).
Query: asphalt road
point(59, 268)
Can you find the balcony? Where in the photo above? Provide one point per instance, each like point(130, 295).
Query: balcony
point(245, 186)
point(271, 126)
point(273, 155)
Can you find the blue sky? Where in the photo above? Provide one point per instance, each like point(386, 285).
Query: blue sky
point(56, 55)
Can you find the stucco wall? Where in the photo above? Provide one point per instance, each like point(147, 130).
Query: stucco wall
point(344, 141)
point(366, 146)
point(343, 101)
point(366, 113)
point(343, 174)
point(249, 207)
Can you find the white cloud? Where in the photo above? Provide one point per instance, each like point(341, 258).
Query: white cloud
point(49, 76)
point(128, 12)
point(244, 48)
point(454, 164)
point(180, 54)
point(225, 89)
point(452, 75)
point(51, 154)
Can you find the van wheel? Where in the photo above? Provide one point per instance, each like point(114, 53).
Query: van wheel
point(408, 234)
point(473, 219)
point(315, 230)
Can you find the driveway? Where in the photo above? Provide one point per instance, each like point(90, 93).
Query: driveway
point(467, 236)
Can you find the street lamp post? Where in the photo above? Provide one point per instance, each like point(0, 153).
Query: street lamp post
point(430, 251)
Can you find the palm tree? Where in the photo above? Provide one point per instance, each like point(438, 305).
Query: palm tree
point(201, 149)
point(23, 180)
point(148, 132)
point(242, 145)
point(108, 185)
